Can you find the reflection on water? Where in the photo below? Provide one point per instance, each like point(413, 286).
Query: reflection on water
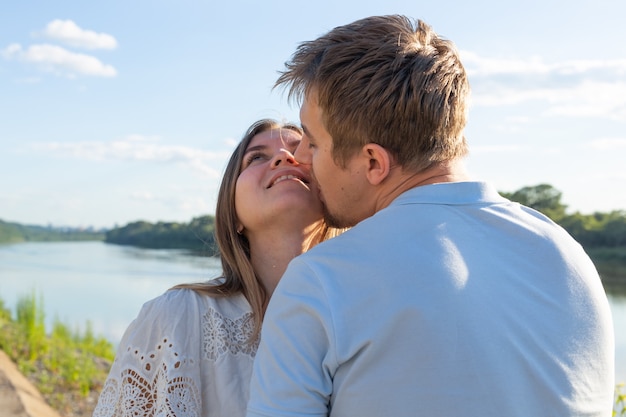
point(107, 284)
point(169, 255)
point(618, 310)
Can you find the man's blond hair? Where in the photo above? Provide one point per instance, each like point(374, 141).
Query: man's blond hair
point(387, 80)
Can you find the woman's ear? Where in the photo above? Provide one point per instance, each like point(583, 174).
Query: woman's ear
point(379, 163)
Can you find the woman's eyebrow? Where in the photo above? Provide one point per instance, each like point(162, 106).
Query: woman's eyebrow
point(255, 148)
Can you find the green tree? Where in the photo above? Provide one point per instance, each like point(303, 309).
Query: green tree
point(543, 197)
point(198, 235)
point(15, 233)
point(615, 229)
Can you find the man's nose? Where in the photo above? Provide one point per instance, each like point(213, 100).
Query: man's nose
point(303, 153)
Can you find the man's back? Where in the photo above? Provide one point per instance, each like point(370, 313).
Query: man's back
point(451, 301)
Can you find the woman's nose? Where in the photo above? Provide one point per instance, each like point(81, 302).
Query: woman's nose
point(284, 157)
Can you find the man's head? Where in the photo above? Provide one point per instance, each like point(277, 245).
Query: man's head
point(388, 81)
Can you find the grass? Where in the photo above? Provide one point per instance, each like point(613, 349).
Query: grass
point(619, 409)
point(65, 365)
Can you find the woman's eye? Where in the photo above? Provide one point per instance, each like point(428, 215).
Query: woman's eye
point(253, 157)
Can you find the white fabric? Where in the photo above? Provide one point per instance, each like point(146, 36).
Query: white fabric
point(452, 301)
point(183, 356)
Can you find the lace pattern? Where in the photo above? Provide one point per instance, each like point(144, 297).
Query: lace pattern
point(151, 390)
point(158, 381)
point(223, 335)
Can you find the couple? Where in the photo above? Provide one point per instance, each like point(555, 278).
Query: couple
point(443, 298)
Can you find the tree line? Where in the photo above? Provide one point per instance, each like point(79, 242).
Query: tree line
point(15, 233)
point(596, 230)
point(603, 235)
point(197, 235)
point(590, 230)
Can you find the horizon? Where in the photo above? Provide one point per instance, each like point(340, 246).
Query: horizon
point(93, 228)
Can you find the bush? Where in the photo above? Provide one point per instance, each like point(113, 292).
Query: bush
point(65, 364)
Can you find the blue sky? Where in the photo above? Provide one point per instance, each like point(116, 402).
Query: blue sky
point(117, 111)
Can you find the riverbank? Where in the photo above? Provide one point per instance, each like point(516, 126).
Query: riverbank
point(18, 396)
point(64, 369)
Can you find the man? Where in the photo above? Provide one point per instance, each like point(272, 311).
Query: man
point(444, 298)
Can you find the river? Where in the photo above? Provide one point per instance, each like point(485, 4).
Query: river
point(106, 285)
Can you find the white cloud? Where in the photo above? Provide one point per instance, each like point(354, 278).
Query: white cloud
point(177, 201)
point(142, 196)
point(142, 138)
point(512, 124)
point(607, 144)
point(11, 50)
point(592, 99)
point(68, 32)
point(588, 99)
point(138, 148)
point(574, 88)
point(481, 66)
point(496, 149)
point(59, 61)
point(510, 95)
point(476, 65)
point(518, 119)
point(231, 142)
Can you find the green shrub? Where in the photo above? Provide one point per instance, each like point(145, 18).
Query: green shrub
point(619, 409)
point(63, 364)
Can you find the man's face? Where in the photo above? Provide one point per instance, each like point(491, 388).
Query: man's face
point(342, 189)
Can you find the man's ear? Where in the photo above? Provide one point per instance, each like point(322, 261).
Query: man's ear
point(379, 163)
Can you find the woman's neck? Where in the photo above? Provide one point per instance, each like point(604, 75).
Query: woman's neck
point(271, 251)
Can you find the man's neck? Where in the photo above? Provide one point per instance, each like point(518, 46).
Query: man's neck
point(400, 181)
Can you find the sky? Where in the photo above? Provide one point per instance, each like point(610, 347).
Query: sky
point(118, 111)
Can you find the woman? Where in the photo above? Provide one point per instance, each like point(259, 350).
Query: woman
point(190, 351)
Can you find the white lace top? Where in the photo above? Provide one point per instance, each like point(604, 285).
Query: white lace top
point(185, 355)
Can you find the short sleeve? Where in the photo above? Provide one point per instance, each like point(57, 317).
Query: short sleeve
point(156, 369)
point(295, 364)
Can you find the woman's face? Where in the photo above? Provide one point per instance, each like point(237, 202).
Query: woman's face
point(272, 188)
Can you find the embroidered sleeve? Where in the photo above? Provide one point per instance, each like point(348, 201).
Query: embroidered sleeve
point(156, 370)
